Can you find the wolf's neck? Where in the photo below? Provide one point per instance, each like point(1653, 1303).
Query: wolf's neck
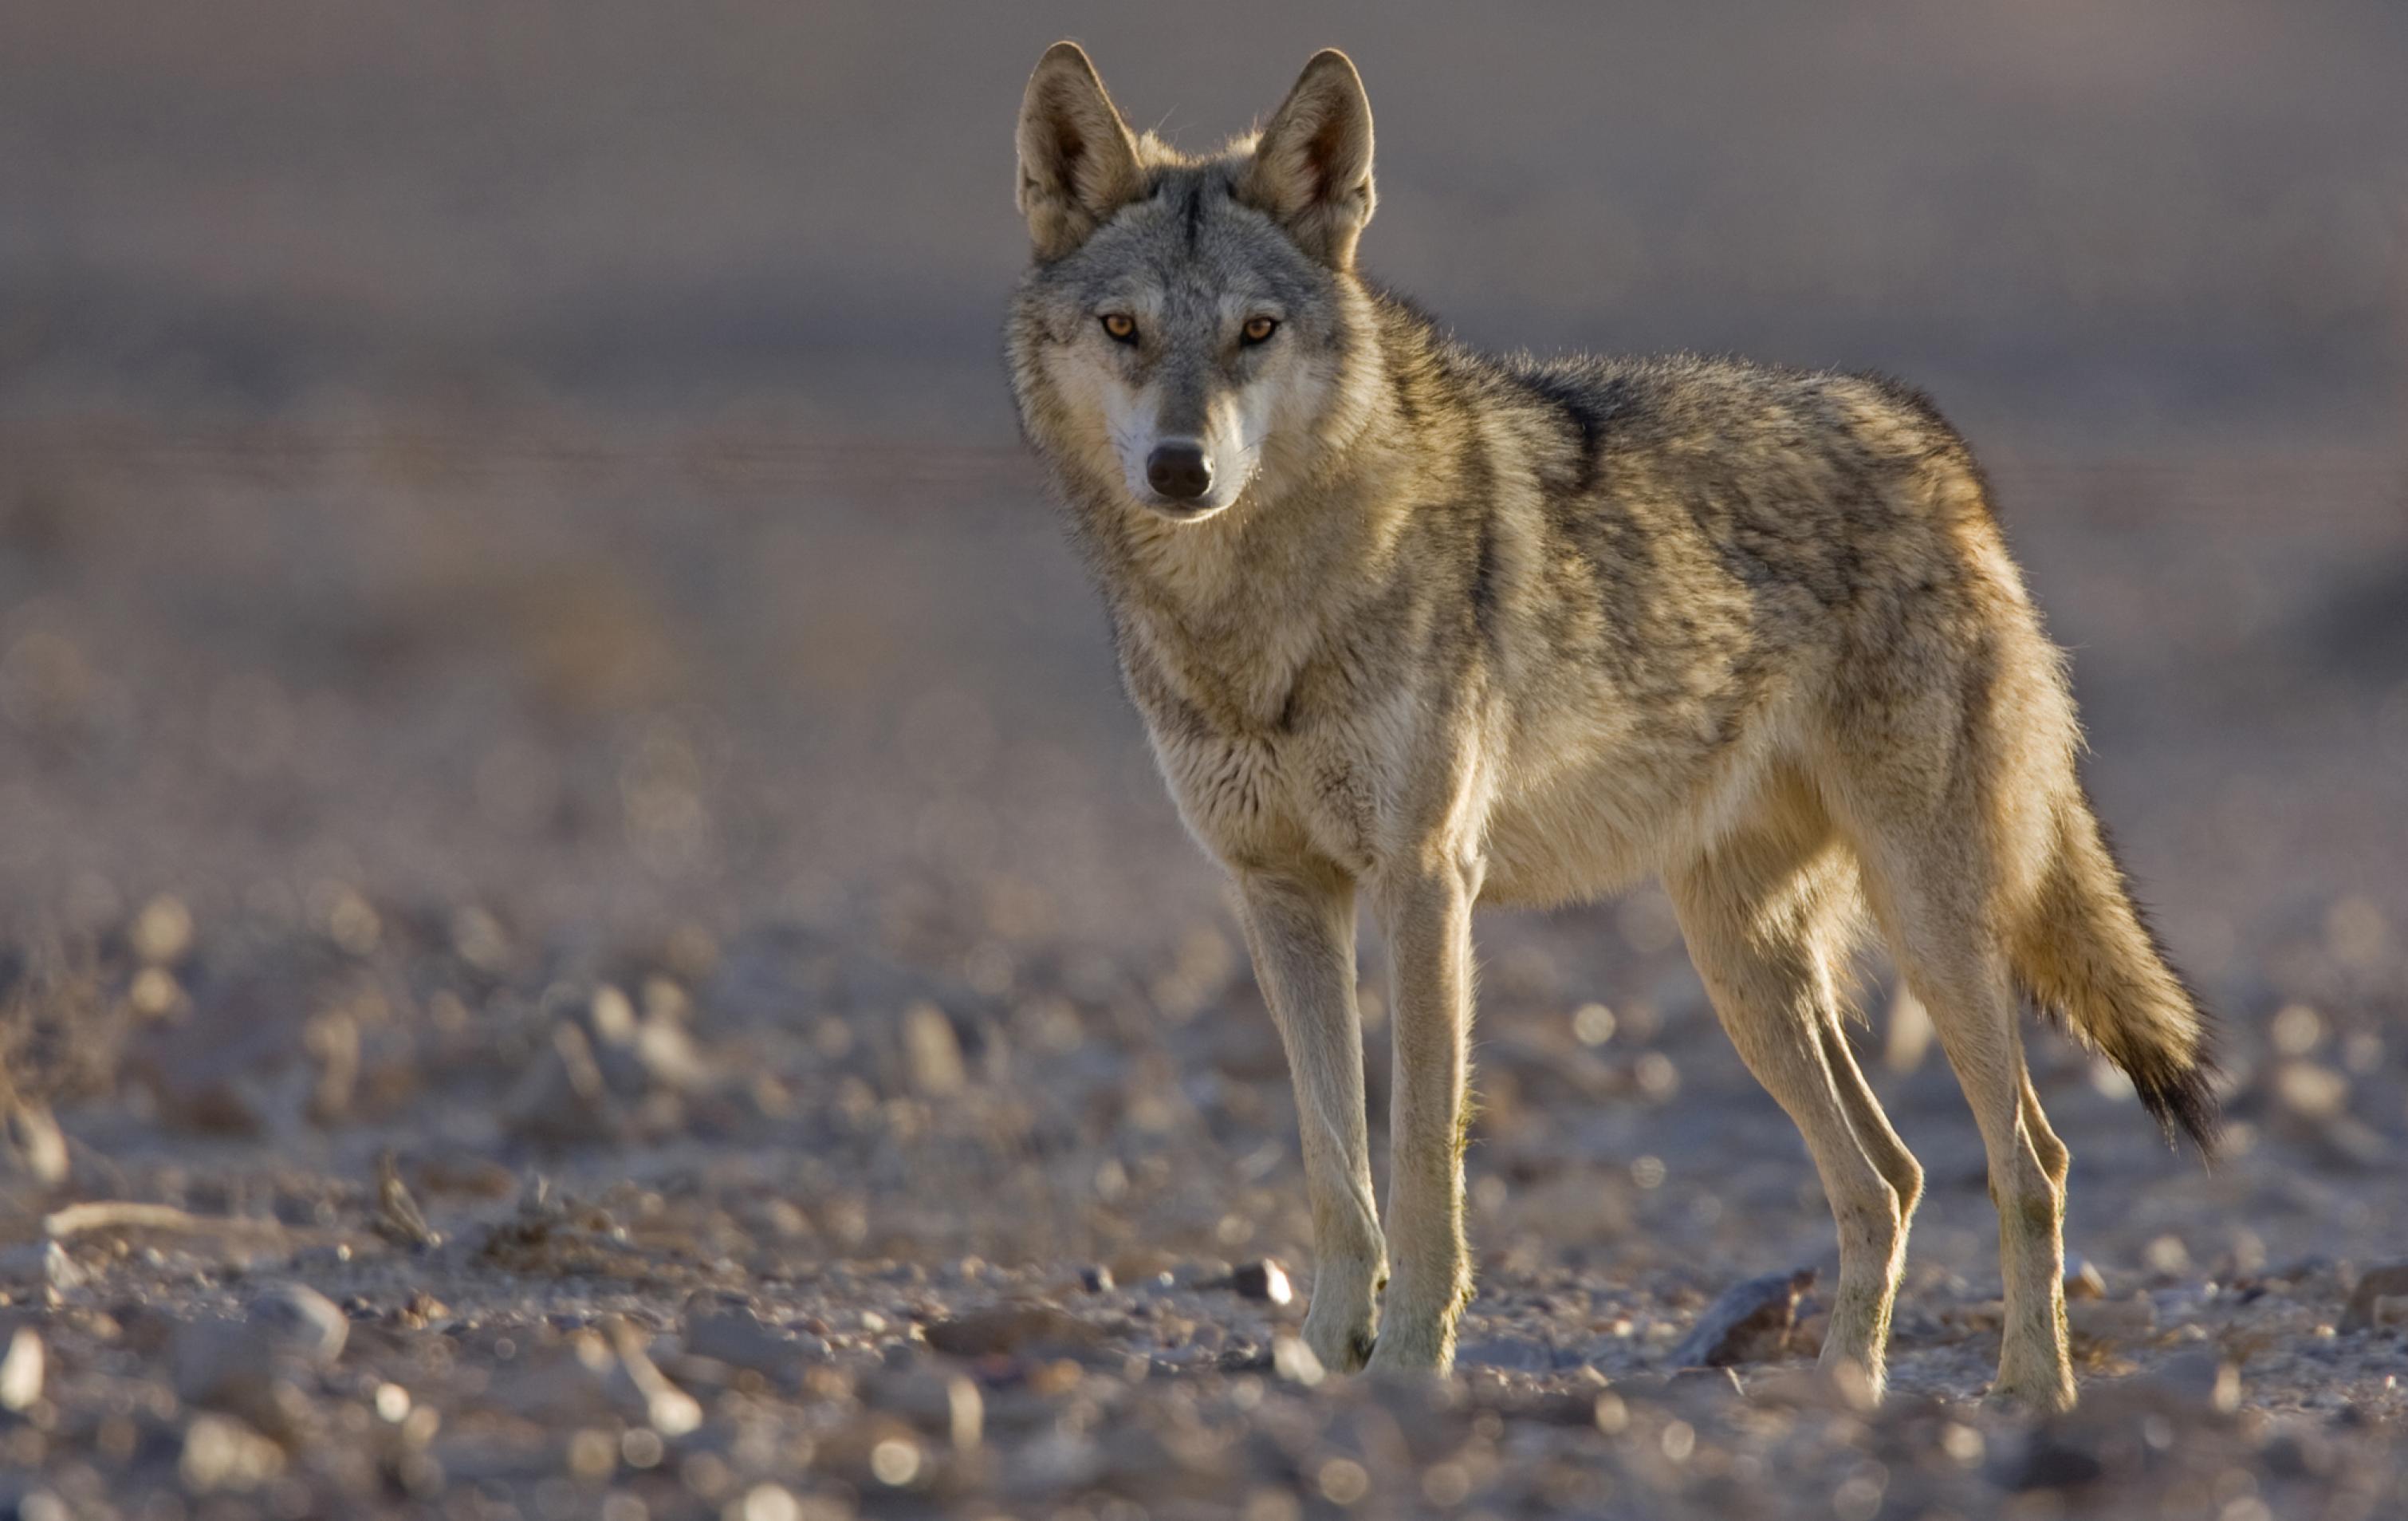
point(1224, 588)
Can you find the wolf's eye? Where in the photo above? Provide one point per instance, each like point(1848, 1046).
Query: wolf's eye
point(1258, 329)
point(1120, 327)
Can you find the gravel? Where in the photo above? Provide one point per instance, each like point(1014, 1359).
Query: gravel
point(647, 975)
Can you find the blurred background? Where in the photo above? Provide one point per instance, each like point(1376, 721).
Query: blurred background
point(2086, 227)
point(504, 509)
point(400, 398)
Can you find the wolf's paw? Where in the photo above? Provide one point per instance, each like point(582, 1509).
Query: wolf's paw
point(1339, 1332)
point(2047, 1394)
point(1421, 1349)
point(1341, 1323)
point(1342, 1349)
point(1857, 1382)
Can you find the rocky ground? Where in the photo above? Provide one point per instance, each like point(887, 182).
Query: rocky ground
point(564, 971)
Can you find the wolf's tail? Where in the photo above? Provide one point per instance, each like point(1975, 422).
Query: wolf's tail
point(2085, 953)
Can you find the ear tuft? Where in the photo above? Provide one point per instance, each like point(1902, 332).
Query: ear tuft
point(1311, 171)
point(1078, 161)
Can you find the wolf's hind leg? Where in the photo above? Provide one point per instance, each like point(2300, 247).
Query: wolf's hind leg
point(1766, 918)
point(1300, 929)
point(1897, 1164)
point(1932, 908)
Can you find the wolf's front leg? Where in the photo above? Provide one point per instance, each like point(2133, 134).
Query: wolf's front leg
point(1300, 927)
point(1428, 925)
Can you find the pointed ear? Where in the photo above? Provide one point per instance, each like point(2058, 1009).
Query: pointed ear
point(1312, 165)
point(1078, 163)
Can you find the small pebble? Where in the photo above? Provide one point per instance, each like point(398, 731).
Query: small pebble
point(22, 1371)
point(1263, 1279)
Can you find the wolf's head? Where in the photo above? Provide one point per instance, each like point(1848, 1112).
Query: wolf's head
point(1183, 336)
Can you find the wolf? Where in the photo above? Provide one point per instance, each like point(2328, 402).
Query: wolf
point(1440, 629)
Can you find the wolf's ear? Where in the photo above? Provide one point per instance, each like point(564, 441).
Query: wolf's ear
point(1078, 163)
point(1312, 165)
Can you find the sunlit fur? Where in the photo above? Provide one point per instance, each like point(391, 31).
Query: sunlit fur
point(1459, 629)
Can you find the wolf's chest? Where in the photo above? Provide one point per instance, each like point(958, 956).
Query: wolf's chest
point(1254, 798)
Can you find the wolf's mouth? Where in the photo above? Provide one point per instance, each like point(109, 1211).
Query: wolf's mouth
point(1178, 512)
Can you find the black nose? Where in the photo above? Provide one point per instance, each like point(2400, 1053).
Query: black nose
point(1180, 471)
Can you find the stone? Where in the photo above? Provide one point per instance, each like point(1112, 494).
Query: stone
point(1751, 1321)
point(34, 1140)
point(1263, 1279)
point(60, 1270)
point(932, 1053)
point(563, 1098)
point(2083, 1279)
point(162, 933)
point(332, 1040)
point(2375, 1286)
point(736, 1336)
point(296, 1319)
point(1013, 1330)
point(941, 1404)
point(233, 1366)
point(670, 1056)
point(1295, 1362)
point(221, 1362)
point(223, 1454)
point(669, 1410)
point(765, 1502)
point(22, 1371)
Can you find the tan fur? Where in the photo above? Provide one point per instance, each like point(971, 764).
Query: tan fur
point(1462, 630)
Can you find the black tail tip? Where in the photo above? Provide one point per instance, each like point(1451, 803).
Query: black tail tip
point(2183, 1103)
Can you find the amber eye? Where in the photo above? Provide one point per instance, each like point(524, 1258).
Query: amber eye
point(1257, 329)
point(1120, 326)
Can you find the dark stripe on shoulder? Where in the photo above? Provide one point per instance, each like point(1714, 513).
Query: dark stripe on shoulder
point(1581, 409)
point(1402, 377)
point(1483, 583)
point(1195, 213)
point(1478, 499)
